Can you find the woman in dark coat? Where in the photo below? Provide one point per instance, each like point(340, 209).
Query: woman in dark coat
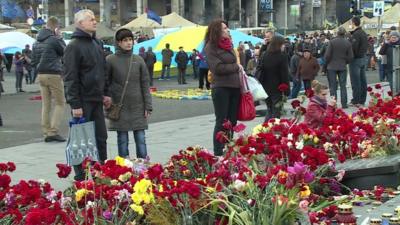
point(225, 88)
point(274, 67)
point(137, 100)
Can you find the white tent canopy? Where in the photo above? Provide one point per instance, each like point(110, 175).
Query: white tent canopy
point(15, 40)
point(175, 20)
point(390, 18)
point(141, 22)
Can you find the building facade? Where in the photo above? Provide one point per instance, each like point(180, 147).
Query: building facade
point(284, 14)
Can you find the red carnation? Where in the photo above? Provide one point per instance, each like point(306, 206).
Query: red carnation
point(221, 137)
point(154, 171)
point(227, 125)
point(302, 110)
point(11, 166)
point(341, 158)
point(63, 170)
point(378, 86)
point(283, 87)
point(390, 93)
point(240, 127)
point(5, 181)
point(3, 167)
point(369, 89)
point(309, 93)
point(295, 103)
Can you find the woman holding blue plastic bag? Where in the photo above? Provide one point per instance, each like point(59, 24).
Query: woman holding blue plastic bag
point(129, 83)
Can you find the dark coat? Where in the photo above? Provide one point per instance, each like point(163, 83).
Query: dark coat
point(84, 70)
point(167, 56)
point(223, 65)
point(181, 59)
point(275, 71)
point(47, 53)
point(150, 58)
point(338, 54)
point(137, 96)
point(359, 42)
point(308, 68)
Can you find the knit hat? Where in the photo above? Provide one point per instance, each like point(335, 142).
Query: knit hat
point(394, 33)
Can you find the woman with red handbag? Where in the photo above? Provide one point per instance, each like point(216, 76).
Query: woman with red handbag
point(275, 72)
point(225, 87)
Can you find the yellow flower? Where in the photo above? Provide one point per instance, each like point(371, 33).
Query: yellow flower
point(79, 194)
point(137, 208)
point(160, 188)
point(306, 192)
point(119, 161)
point(305, 137)
point(316, 140)
point(114, 182)
point(210, 190)
point(182, 162)
point(142, 186)
point(136, 198)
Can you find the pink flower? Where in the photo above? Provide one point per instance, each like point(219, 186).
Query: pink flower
point(239, 128)
point(303, 205)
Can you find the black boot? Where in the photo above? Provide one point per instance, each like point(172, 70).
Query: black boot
point(1, 121)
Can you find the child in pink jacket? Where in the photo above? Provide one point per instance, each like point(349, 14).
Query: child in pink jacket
point(319, 108)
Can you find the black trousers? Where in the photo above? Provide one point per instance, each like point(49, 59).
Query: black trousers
point(151, 73)
point(273, 107)
point(203, 72)
point(226, 103)
point(93, 111)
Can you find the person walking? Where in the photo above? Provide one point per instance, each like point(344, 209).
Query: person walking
point(47, 61)
point(195, 60)
point(167, 55)
point(27, 53)
point(19, 71)
point(294, 65)
point(274, 72)
point(150, 60)
point(338, 54)
point(181, 60)
point(308, 68)
point(387, 50)
point(203, 71)
point(86, 89)
point(224, 66)
point(136, 105)
point(358, 66)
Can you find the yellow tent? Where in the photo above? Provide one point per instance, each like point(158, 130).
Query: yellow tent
point(175, 20)
point(141, 22)
point(390, 18)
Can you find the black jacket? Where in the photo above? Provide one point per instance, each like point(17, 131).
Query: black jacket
point(359, 42)
point(182, 60)
point(84, 70)
point(275, 71)
point(47, 53)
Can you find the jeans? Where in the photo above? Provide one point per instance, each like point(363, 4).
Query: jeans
point(203, 76)
point(382, 72)
point(333, 84)
point(273, 107)
point(51, 86)
point(167, 68)
point(358, 80)
point(389, 75)
point(296, 88)
point(18, 81)
point(181, 75)
point(140, 141)
point(307, 84)
point(93, 111)
point(29, 77)
point(226, 104)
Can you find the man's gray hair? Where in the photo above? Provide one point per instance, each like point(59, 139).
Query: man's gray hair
point(341, 31)
point(82, 15)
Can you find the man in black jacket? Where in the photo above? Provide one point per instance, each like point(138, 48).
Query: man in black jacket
point(85, 80)
point(46, 59)
point(359, 42)
point(181, 60)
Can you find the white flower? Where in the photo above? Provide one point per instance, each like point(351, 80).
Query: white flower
point(90, 204)
point(277, 121)
point(65, 202)
point(290, 137)
point(41, 181)
point(299, 145)
point(327, 146)
point(128, 163)
point(51, 196)
point(239, 185)
point(289, 144)
point(251, 149)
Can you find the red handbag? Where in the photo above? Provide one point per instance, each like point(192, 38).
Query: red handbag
point(246, 110)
